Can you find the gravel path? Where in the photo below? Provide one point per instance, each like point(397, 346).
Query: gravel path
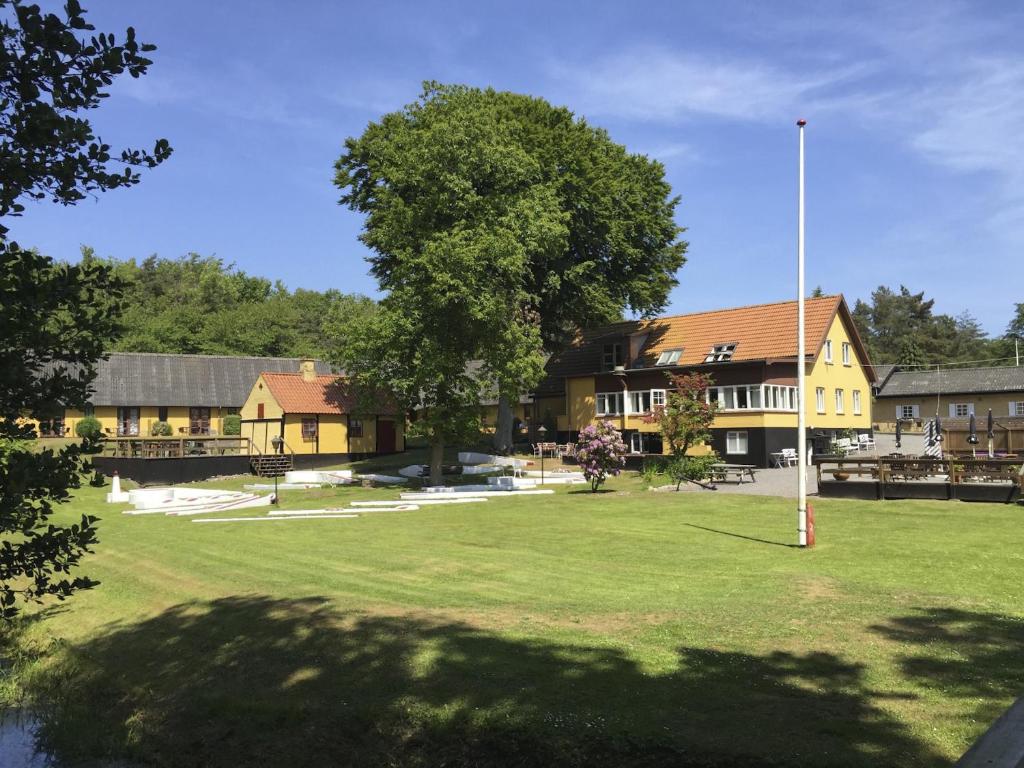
point(770, 482)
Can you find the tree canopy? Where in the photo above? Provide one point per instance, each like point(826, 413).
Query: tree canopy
point(201, 305)
point(900, 327)
point(499, 224)
point(55, 319)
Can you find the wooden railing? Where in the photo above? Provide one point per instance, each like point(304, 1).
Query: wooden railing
point(895, 469)
point(178, 447)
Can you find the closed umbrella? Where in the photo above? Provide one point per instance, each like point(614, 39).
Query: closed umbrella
point(972, 436)
point(899, 432)
point(991, 431)
point(938, 433)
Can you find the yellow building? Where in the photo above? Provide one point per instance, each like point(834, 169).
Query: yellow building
point(192, 393)
point(618, 373)
point(318, 414)
point(914, 396)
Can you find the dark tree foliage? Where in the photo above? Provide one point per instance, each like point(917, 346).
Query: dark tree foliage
point(49, 75)
point(201, 305)
point(899, 327)
point(55, 319)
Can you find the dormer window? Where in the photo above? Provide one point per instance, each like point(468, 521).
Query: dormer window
point(720, 353)
point(669, 357)
point(612, 357)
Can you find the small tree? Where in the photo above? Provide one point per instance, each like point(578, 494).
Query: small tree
point(685, 422)
point(89, 428)
point(232, 424)
point(600, 452)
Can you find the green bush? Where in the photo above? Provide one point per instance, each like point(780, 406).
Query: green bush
point(695, 469)
point(160, 429)
point(232, 424)
point(89, 428)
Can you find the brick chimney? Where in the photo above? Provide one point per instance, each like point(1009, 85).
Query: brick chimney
point(307, 367)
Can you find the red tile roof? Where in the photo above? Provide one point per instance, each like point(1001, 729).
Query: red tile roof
point(760, 332)
point(323, 394)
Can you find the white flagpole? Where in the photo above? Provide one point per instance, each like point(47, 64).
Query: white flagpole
point(801, 421)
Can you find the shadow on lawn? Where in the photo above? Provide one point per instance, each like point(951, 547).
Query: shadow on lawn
point(971, 655)
point(261, 682)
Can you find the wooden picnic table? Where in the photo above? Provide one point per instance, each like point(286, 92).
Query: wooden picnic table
point(722, 471)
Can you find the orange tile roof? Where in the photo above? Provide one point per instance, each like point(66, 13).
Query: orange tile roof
point(324, 394)
point(760, 332)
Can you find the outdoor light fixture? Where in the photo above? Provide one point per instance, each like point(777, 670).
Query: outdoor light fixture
point(277, 441)
point(542, 430)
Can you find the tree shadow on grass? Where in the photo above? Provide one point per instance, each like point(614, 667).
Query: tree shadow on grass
point(967, 654)
point(254, 681)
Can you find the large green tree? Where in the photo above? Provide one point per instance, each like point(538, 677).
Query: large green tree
point(55, 319)
point(505, 224)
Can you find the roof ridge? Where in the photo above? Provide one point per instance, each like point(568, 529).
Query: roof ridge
point(945, 369)
point(213, 357)
point(736, 309)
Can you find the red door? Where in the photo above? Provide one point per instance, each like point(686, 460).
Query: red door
point(385, 437)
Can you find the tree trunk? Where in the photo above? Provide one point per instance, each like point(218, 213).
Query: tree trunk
point(503, 429)
point(437, 461)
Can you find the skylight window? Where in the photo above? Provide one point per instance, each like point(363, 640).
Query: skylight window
point(669, 357)
point(720, 353)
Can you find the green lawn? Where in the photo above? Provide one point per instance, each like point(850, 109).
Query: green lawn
point(623, 628)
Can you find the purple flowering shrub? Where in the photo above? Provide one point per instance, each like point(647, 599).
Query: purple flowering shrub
point(600, 452)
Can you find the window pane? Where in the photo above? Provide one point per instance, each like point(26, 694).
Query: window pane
point(755, 396)
point(741, 397)
point(730, 397)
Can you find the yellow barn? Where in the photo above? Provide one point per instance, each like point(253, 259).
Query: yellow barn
point(318, 414)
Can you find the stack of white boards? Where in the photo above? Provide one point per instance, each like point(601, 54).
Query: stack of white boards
point(190, 501)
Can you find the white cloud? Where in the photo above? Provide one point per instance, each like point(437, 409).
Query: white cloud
point(658, 84)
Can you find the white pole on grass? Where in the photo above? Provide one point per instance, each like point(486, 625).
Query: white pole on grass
point(801, 420)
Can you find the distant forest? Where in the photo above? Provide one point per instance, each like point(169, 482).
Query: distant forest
point(202, 305)
point(899, 327)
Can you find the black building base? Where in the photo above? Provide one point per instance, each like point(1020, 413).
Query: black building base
point(191, 469)
point(169, 471)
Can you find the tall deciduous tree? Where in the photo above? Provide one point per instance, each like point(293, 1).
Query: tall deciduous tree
point(471, 190)
point(55, 319)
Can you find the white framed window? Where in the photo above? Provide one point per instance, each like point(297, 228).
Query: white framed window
point(640, 401)
point(908, 412)
point(753, 397)
point(609, 403)
point(828, 350)
point(720, 353)
point(669, 357)
point(657, 397)
point(961, 410)
point(840, 405)
point(612, 357)
point(1017, 408)
point(846, 353)
point(856, 402)
point(819, 394)
point(636, 443)
point(736, 442)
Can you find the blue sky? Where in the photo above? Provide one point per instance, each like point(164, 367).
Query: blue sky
point(915, 143)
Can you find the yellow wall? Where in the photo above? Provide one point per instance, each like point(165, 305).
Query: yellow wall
point(177, 417)
point(885, 407)
point(260, 393)
point(581, 405)
point(835, 375)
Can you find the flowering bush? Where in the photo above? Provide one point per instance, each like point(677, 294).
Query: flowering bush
point(600, 452)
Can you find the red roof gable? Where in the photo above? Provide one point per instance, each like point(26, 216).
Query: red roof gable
point(323, 394)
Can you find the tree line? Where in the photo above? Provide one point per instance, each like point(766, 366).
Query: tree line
point(900, 327)
point(202, 305)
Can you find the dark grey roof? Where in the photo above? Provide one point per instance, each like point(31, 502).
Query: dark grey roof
point(882, 373)
point(954, 381)
point(136, 378)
